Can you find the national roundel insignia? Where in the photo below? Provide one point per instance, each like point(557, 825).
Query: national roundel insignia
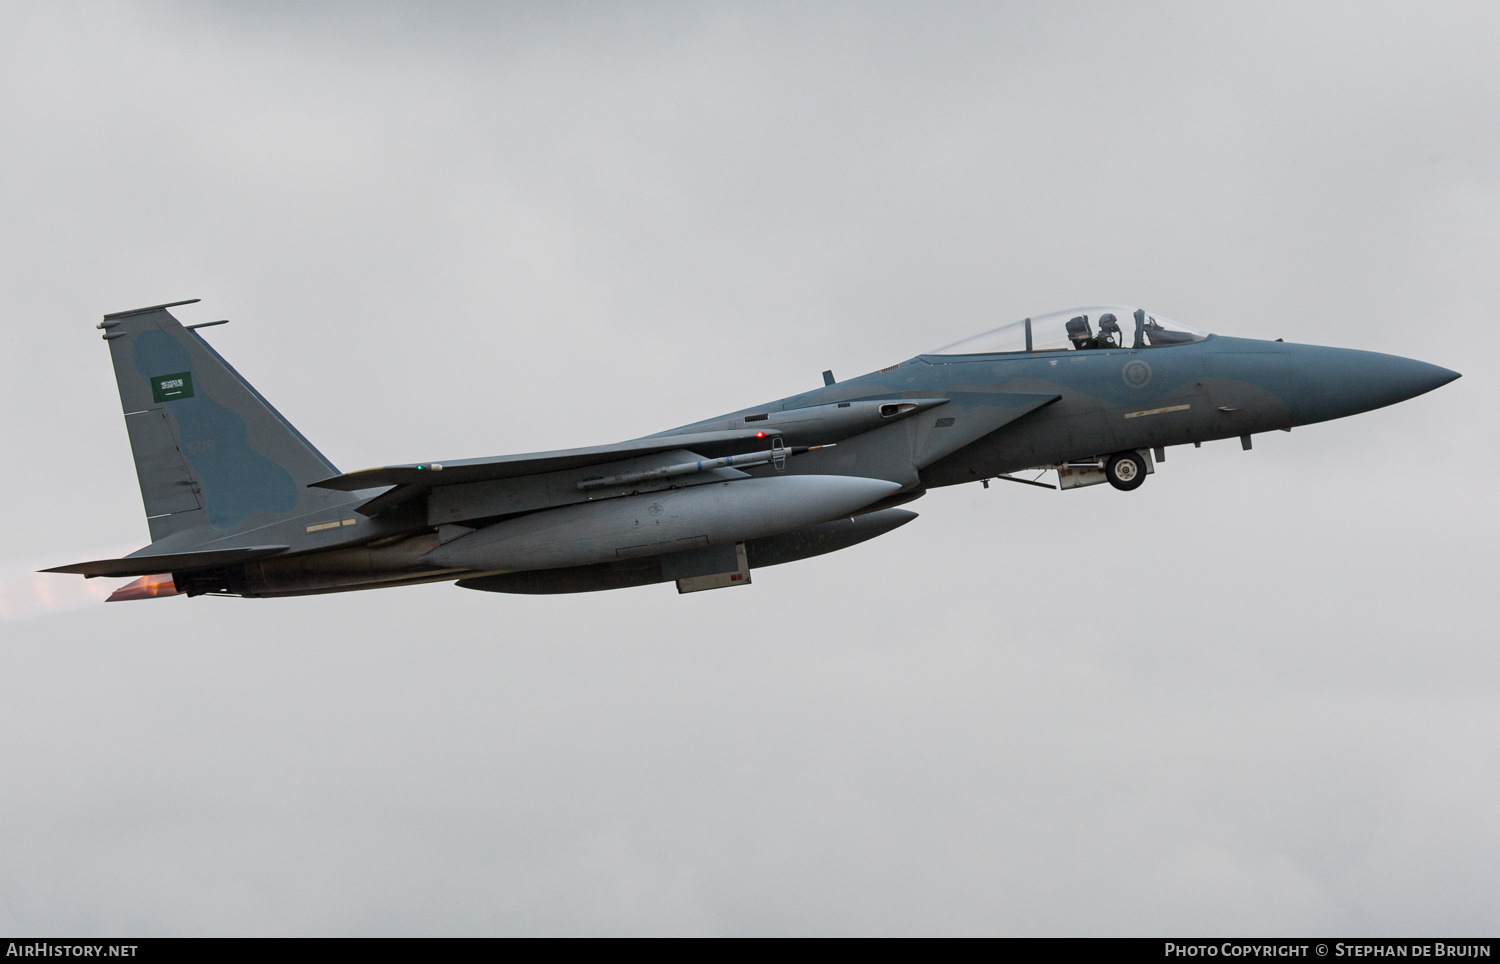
point(1136, 373)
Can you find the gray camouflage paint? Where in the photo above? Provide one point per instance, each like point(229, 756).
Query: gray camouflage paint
point(237, 481)
point(226, 471)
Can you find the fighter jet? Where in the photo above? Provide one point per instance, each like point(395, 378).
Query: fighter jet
point(239, 503)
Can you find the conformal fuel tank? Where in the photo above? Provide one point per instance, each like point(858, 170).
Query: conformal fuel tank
point(660, 522)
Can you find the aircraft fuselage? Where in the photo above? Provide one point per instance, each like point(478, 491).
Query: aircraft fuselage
point(240, 503)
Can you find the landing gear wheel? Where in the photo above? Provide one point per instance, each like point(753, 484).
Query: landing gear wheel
point(1125, 470)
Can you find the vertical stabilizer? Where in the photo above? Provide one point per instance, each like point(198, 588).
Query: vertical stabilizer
point(210, 452)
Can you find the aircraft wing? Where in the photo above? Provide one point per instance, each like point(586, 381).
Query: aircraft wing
point(707, 444)
point(167, 562)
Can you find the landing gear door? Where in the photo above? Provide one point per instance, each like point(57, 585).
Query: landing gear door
point(1076, 475)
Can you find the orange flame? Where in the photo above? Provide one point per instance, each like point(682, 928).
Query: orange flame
point(146, 587)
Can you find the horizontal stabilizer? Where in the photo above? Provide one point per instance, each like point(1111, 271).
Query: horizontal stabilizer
point(707, 444)
point(167, 562)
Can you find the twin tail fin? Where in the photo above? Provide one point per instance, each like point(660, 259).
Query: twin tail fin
point(210, 452)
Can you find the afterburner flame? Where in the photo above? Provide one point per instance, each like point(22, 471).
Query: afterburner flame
point(146, 587)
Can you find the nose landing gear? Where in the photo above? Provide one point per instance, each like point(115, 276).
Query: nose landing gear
point(1125, 470)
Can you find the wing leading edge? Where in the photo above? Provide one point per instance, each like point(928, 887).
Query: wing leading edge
point(426, 474)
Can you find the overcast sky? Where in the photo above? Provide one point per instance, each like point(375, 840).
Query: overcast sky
point(1257, 696)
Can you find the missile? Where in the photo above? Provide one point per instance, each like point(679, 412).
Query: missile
point(833, 421)
point(777, 453)
point(657, 523)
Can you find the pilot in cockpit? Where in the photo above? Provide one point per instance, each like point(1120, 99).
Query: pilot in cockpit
point(1083, 338)
point(1079, 332)
point(1110, 335)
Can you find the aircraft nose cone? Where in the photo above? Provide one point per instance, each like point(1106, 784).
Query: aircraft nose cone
point(1335, 382)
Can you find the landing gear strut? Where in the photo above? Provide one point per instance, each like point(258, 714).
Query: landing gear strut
point(1125, 470)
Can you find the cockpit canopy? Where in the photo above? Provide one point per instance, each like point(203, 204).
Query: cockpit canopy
point(1079, 329)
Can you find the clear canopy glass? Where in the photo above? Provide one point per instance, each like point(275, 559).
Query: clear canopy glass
point(1078, 329)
